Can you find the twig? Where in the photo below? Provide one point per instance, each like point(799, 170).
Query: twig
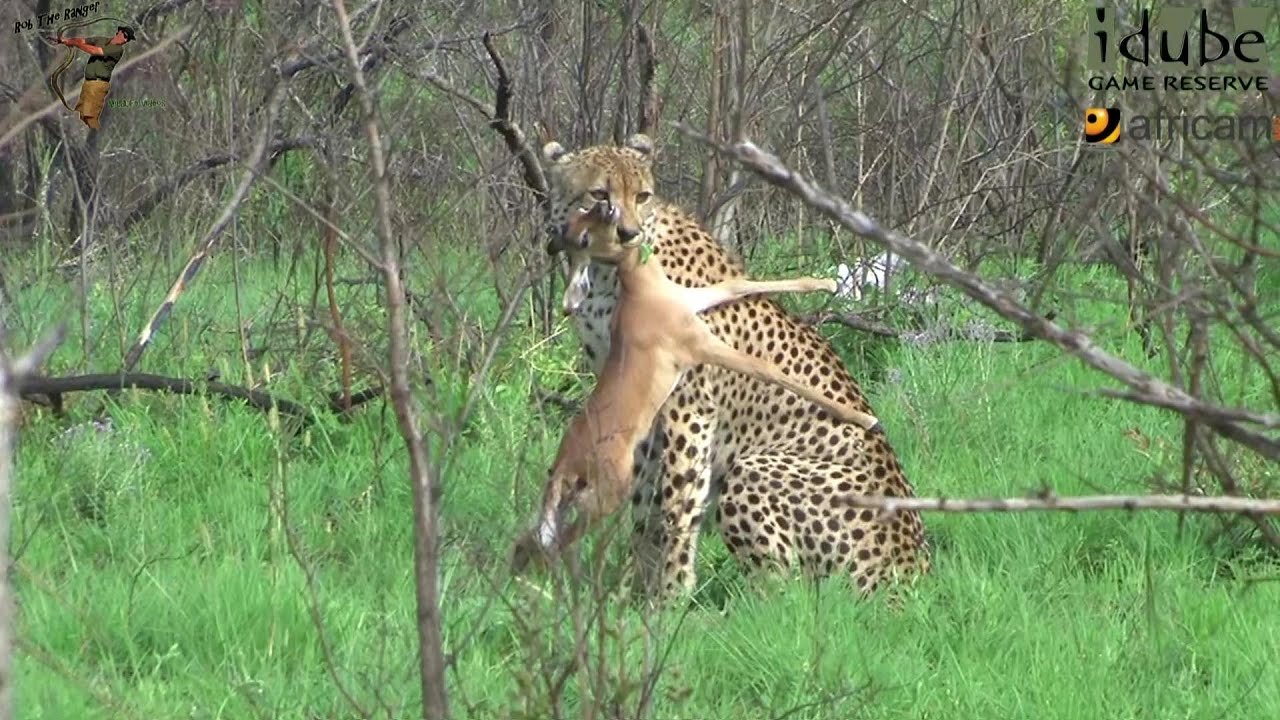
point(155, 11)
point(57, 664)
point(1146, 388)
point(373, 55)
point(422, 472)
point(504, 322)
point(280, 499)
point(1050, 502)
point(304, 59)
point(330, 241)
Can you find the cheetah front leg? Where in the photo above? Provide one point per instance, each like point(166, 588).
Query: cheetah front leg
point(671, 506)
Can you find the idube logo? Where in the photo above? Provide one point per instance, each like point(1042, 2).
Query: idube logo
point(1101, 125)
point(1186, 52)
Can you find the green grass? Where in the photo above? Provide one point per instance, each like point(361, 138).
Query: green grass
point(155, 577)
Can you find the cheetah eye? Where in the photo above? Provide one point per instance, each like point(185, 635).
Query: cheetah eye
point(600, 195)
point(643, 197)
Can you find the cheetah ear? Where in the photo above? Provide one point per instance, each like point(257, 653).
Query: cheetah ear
point(641, 144)
point(554, 152)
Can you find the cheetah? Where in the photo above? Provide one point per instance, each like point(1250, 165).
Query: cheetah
point(657, 336)
point(771, 464)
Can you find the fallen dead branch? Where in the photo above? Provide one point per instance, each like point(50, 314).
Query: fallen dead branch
point(55, 387)
point(1145, 388)
point(1050, 502)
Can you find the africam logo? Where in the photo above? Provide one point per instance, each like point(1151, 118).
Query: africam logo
point(1102, 126)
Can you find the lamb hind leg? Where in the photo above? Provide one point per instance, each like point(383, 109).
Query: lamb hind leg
point(712, 350)
point(717, 352)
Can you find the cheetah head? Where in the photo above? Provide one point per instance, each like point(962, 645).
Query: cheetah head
point(620, 176)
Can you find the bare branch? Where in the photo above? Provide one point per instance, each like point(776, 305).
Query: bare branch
point(164, 188)
point(305, 60)
point(153, 13)
point(372, 57)
point(1146, 388)
point(437, 82)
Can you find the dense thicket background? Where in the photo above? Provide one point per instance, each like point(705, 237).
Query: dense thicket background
point(186, 556)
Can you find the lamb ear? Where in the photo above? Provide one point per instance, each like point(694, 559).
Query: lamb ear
point(641, 143)
point(554, 152)
point(578, 285)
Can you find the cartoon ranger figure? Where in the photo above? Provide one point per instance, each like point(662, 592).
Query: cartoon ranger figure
point(104, 52)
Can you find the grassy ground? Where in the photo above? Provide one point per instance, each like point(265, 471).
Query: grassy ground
point(156, 578)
